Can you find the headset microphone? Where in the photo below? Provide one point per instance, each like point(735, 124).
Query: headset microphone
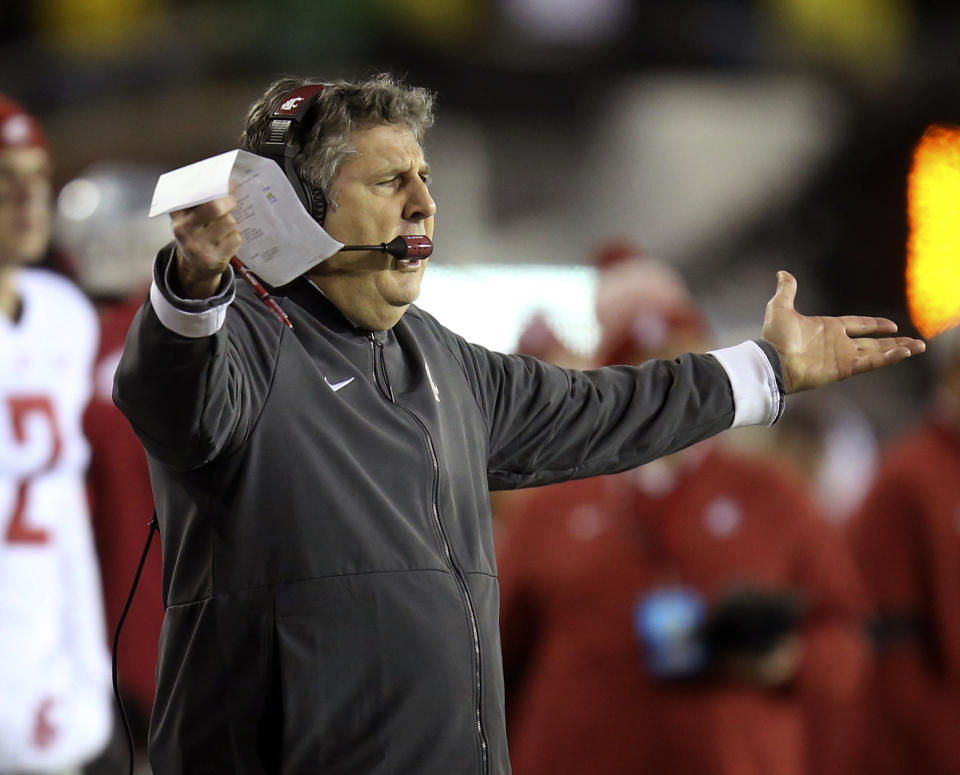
point(405, 246)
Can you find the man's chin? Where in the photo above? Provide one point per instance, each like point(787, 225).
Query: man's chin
point(406, 296)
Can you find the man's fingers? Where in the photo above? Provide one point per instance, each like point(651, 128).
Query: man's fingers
point(217, 229)
point(786, 291)
point(879, 358)
point(207, 234)
point(225, 248)
point(911, 346)
point(869, 345)
point(861, 325)
point(206, 212)
point(216, 241)
point(874, 353)
point(915, 346)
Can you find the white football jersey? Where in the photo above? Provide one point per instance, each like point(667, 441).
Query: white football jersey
point(55, 696)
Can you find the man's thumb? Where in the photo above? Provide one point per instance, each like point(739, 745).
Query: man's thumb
point(786, 290)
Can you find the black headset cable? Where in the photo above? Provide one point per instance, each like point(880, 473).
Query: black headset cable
point(154, 526)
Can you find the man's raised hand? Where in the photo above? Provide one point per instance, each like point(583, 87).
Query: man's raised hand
point(207, 238)
point(818, 350)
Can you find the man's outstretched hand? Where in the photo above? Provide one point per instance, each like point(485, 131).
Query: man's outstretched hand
point(819, 350)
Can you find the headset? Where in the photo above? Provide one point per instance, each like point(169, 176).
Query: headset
point(284, 141)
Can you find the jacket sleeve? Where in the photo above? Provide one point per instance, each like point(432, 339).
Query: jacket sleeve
point(547, 424)
point(192, 378)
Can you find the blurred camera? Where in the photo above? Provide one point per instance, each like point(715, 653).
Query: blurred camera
point(751, 621)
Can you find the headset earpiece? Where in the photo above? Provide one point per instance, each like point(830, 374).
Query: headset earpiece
point(285, 140)
point(317, 202)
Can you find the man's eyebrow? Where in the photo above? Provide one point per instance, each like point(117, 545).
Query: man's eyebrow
point(389, 169)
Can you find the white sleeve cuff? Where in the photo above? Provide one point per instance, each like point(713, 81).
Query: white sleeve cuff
point(756, 397)
point(192, 325)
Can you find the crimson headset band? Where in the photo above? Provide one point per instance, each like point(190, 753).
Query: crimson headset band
point(285, 140)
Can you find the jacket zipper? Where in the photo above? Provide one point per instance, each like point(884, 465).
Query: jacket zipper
point(380, 377)
point(380, 370)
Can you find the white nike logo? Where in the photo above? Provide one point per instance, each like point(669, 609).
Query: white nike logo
point(335, 386)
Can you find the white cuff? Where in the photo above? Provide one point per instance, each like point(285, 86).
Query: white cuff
point(192, 325)
point(756, 398)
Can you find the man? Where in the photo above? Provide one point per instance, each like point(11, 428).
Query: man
point(55, 705)
point(906, 537)
point(680, 616)
point(329, 574)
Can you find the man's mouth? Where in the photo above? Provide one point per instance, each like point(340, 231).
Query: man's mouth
point(410, 264)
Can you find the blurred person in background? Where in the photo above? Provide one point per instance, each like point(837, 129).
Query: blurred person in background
point(56, 710)
point(678, 617)
point(101, 218)
point(906, 538)
point(539, 340)
point(833, 446)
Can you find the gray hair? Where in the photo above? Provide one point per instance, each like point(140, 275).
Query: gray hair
point(342, 108)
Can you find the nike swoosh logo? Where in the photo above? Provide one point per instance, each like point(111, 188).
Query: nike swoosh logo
point(335, 386)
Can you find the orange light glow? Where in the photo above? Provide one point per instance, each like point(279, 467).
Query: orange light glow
point(933, 245)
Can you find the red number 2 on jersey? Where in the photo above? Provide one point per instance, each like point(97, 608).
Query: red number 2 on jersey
point(19, 531)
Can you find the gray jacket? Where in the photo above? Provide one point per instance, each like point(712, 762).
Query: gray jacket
point(328, 569)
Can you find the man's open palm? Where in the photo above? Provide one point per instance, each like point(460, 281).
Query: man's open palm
point(817, 350)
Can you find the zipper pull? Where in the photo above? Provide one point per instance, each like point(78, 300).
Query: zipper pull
point(380, 367)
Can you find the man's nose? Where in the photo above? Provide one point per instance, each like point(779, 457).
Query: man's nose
point(420, 204)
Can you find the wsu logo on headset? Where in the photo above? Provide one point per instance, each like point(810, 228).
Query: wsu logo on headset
point(291, 104)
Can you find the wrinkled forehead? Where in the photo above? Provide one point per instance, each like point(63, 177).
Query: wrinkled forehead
point(386, 145)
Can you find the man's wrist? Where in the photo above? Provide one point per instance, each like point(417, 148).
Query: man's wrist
point(753, 369)
point(188, 317)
